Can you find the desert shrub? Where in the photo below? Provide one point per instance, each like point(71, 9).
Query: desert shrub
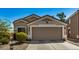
point(5, 34)
point(1, 35)
point(4, 40)
point(21, 36)
point(4, 37)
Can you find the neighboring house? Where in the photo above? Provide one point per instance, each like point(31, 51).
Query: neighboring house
point(41, 28)
point(73, 26)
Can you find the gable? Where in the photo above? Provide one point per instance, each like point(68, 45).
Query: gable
point(29, 18)
point(47, 20)
point(20, 23)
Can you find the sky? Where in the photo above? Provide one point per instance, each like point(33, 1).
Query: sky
point(11, 14)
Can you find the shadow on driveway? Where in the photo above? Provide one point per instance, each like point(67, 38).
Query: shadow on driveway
point(46, 41)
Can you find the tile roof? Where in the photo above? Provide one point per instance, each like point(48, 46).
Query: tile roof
point(29, 18)
point(33, 17)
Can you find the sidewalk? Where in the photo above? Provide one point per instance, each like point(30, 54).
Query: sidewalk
point(73, 41)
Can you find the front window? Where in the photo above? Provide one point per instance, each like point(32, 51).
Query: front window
point(21, 29)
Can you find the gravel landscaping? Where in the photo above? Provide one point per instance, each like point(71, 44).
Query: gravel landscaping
point(20, 46)
point(5, 47)
point(15, 46)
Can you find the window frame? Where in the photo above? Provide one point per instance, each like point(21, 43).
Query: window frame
point(20, 27)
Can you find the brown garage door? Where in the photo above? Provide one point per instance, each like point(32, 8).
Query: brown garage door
point(46, 33)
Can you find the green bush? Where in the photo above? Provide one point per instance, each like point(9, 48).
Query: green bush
point(21, 36)
point(5, 34)
point(4, 37)
point(4, 40)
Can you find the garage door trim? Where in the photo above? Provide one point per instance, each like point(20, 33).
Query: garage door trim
point(30, 36)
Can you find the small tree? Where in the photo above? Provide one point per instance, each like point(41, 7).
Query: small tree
point(4, 25)
point(61, 16)
point(4, 31)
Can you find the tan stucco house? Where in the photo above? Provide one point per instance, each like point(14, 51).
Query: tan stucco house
point(41, 28)
point(73, 25)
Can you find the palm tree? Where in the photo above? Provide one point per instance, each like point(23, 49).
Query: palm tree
point(61, 16)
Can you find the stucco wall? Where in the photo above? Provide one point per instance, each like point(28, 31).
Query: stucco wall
point(74, 26)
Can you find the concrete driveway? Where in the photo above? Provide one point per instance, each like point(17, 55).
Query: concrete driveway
point(51, 45)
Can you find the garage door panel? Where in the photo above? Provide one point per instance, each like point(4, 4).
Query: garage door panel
point(46, 33)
